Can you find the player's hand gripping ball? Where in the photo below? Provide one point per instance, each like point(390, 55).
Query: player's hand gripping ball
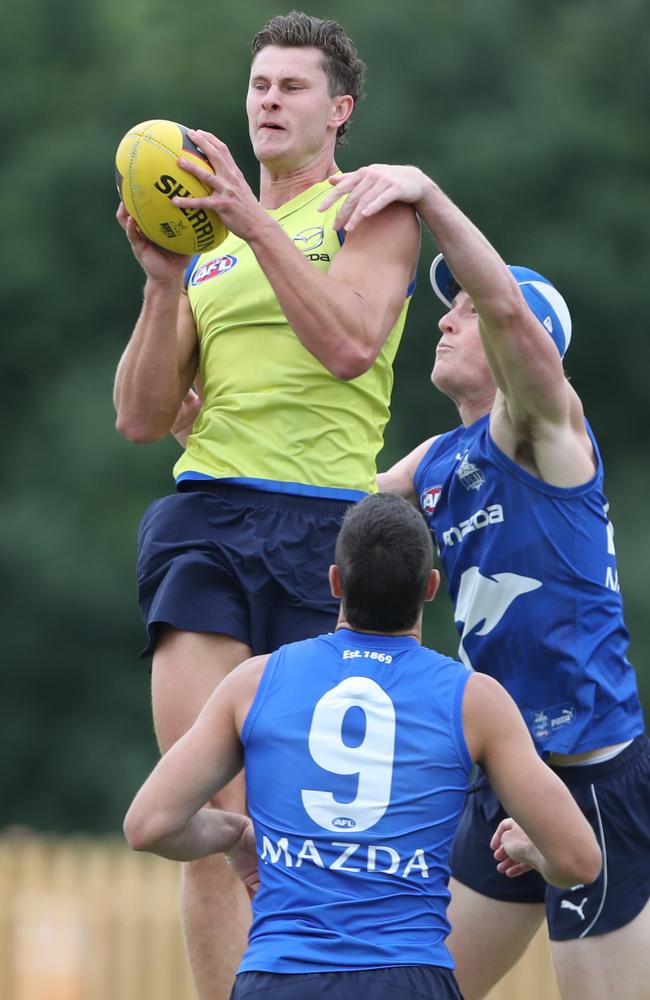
point(148, 177)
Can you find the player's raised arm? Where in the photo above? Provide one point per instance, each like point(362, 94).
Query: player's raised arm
point(512, 333)
point(526, 363)
point(537, 407)
point(558, 841)
point(342, 317)
point(160, 360)
point(399, 478)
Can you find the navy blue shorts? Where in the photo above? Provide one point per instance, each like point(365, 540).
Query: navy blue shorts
point(424, 982)
point(250, 564)
point(615, 798)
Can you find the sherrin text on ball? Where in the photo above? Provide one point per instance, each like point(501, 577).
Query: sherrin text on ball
point(148, 177)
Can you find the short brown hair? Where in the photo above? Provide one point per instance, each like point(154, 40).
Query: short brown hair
point(344, 68)
point(384, 554)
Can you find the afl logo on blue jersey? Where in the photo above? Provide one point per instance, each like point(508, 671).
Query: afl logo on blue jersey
point(344, 822)
point(213, 268)
point(429, 499)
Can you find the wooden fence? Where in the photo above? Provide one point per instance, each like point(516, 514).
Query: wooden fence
point(84, 919)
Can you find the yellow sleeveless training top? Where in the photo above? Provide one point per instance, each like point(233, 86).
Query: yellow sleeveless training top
point(273, 417)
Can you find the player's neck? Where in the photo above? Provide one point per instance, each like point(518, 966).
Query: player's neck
point(277, 187)
point(474, 406)
point(415, 632)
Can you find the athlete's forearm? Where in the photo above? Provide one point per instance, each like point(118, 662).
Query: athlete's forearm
point(327, 316)
point(473, 261)
point(515, 854)
point(151, 376)
point(209, 831)
point(526, 368)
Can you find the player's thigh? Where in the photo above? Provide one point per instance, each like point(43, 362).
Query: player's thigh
point(487, 937)
point(186, 668)
point(613, 966)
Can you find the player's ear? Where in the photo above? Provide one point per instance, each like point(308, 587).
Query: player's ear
point(342, 108)
point(432, 585)
point(335, 582)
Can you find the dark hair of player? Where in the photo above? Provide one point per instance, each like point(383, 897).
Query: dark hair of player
point(342, 64)
point(384, 555)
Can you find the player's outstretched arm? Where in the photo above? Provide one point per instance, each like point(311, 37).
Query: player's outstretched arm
point(343, 317)
point(370, 190)
point(399, 478)
point(475, 263)
point(541, 409)
point(549, 832)
point(160, 360)
point(168, 815)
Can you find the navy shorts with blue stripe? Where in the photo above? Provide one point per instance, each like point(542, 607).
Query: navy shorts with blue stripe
point(615, 798)
point(248, 563)
point(394, 983)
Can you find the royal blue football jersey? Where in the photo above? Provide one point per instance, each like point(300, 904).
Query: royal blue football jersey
point(356, 774)
point(531, 570)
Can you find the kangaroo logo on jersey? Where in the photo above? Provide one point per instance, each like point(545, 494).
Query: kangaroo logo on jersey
point(429, 499)
point(309, 239)
point(469, 474)
point(484, 600)
point(213, 268)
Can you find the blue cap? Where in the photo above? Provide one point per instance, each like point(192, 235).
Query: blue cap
point(542, 297)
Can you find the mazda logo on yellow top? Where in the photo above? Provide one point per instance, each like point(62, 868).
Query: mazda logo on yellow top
point(309, 239)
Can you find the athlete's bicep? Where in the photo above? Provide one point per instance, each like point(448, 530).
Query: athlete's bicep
point(378, 261)
point(400, 477)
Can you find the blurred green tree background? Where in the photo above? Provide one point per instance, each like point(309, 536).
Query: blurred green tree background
point(533, 117)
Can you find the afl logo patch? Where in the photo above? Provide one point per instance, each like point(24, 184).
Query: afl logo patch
point(309, 239)
point(344, 822)
point(429, 499)
point(213, 268)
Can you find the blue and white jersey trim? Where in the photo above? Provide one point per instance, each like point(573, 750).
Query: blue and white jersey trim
point(277, 486)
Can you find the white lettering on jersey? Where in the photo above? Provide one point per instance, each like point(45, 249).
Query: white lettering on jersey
point(611, 575)
point(486, 599)
point(417, 861)
point(272, 854)
point(373, 850)
point(338, 865)
point(493, 514)
point(371, 761)
point(611, 551)
point(309, 852)
point(367, 859)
